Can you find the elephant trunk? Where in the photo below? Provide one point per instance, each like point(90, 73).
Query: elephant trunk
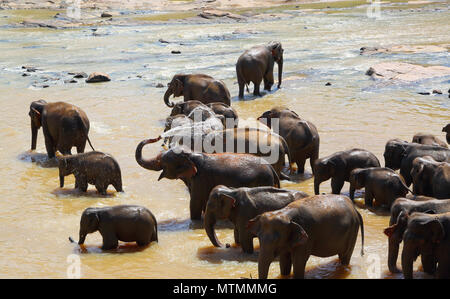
point(352, 192)
point(34, 133)
point(280, 71)
point(151, 164)
point(408, 257)
point(166, 98)
point(316, 185)
point(264, 261)
point(210, 221)
point(61, 181)
point(82, 238)
point(393, 254)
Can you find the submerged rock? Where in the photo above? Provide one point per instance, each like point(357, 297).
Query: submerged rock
point(98, 77)
point(404, 49)
point(406, 72)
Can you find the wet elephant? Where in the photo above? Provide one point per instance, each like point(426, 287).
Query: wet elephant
point(256, 65)
point(198, 87)
point(382, 184)
point(127, 223)
point(428, 139)
point(397, 226)
point(202, 172)
point(339, 165)
point(239, 205)
point(64, 126)
point(321, 225)
point(301, 136)
point(399, 154)
point(94, 168)
point(446, 129)
point(431, 178)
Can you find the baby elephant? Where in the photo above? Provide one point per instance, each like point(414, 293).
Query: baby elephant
point(339, 165)
point(239, 205)
point(382, 184)
point(127, 223)
point(321, 225)
point(95, 168)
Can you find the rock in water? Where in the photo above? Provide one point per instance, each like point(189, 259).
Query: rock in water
point(98, 77)
point(406, 72)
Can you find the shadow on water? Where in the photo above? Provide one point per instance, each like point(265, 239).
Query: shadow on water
point(299, 177)
point(38, 158)
point(77, 193)
point(175, 225)
point(121, 249)
point(217, 255)
point(331, 270)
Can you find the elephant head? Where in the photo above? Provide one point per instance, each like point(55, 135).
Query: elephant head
point(277, 54)
point(324, 169)
point(66, 166)
point(393, 153)
point(357, 180)
point(276, 234)
point(88, 224)
point(220, 205)
point(395, 235)
point(175, 163)
point(447, 130)
point(423, 233)
point(422, 175)
point(35, 113)
point(175, 87)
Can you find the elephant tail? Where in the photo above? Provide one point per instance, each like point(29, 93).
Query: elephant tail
point(155, 238)
point(85, 129)
point(361, 223)
point(406, 187)
point(288, 153)
point(240, 75)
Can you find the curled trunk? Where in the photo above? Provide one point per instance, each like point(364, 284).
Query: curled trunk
point(166, 98)
point(151, 164)
point(210, 221)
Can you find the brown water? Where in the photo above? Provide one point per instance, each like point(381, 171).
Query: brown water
point(36, 217)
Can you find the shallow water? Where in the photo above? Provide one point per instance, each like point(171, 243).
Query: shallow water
point(37, 217)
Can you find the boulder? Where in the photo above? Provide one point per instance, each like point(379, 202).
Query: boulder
point(98, 77)
point(406, 72)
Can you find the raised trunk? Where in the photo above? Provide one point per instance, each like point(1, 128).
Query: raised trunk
point(34, 133)
point(167, 96)
point(280, 71)
point(408, 257)
point(393, 254)
point(210, 221)
point(151, 164)
point(264, 261)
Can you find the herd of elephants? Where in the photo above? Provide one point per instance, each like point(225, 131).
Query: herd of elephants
point(289, 224)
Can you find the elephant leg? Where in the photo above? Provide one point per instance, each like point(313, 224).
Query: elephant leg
point(368, 197)
point(301, 165)
point(246, 241)
point(299, 259)
point(236, 236)
point(50, 147)
point(256, 91)
point(117, 184)
point(81, 147)
point(345, 257)
point(429, 263)
point(81, 183)
point(110, 241)
point(101, 187)
point(336, 185)
point(285, 263)
point(312, 159)
point(195, 206)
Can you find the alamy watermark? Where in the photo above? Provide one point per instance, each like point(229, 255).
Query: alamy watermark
point(74, 9)
point(74, 268)
point(374, 9)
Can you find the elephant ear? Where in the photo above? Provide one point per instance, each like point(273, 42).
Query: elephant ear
point(436, 229)
point(228, 201)
point(189, 170)
point(297, 236)
point(254, 225)
point(178, 87)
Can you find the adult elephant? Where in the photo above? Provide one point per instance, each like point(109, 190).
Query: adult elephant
point(397, 226)
point(301, 135)
point(428, 235)
point(321, 225)
point(198, 87)
point(239, 205)
point(64, 126)
point(339, 165)
point(202, 172)
point(428, 139)
point(256, 64)
point(431, 178)
point(399, 154)
point(446, 129)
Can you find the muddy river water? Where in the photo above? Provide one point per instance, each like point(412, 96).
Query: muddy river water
point(36, 216)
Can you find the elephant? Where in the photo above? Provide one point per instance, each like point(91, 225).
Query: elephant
point(382, 184)
point(201, 172)
point(427, 235)
point(400, 154)
point(301, 135)
point(239, 205)
point(218, 108)
point(272, 147)
point(397, 225)
point(198, 87)
point(428, 139)
point(127, 223)
point(321, 225)
point(339, 165)
point(446, 129)
point(256, 64)
point(431, 178)
point(64, 126)
point(94, 168)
